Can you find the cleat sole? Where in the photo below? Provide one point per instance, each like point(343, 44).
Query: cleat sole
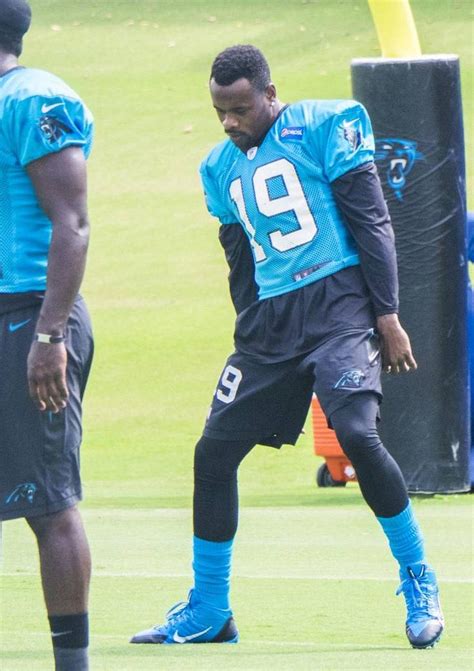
point(428, 645)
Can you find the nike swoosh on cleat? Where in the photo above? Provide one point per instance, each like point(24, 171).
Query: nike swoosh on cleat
point(14, 327)
point(55, 634)
point(183, 639)
point(47, 108)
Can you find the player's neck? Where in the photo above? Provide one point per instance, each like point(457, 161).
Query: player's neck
point(7, 62)
point(277, 108)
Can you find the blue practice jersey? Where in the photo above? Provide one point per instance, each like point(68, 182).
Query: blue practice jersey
point(280, 192)
point(39, 115)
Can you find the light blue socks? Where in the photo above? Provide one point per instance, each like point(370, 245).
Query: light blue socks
point(212, 565)
point(405, 539)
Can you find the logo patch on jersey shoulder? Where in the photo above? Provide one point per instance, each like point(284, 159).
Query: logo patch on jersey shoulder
point(351, 379)
point(47, 108)
point(352, 133)
point(292, 133)
point(52, 128)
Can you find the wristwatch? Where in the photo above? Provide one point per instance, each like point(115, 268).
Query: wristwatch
point(49, 339)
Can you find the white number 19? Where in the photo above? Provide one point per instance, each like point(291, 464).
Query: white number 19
point(294, 201)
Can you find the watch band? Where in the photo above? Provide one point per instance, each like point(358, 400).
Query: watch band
point(49, 339)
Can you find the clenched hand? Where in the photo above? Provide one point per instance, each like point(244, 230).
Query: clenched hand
point(47, 376)
point(397, 356)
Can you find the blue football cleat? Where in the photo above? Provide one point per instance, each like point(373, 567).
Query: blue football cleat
point(425, 622)
point(192, 621)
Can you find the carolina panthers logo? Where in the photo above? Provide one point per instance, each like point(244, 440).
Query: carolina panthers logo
point(352, 133)
point(400, 156)
point(52, 129)
point(25, 491)
point(351, 379)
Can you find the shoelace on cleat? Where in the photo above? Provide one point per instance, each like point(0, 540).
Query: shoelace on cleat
point(176, 610)
point(420, 598)
point(173, 614)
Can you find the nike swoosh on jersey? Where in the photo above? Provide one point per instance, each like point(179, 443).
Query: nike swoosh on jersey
point(47, 108)
point(14, 327)
point(182, 639)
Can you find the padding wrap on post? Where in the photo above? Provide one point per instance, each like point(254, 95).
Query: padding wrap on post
point(415, 107)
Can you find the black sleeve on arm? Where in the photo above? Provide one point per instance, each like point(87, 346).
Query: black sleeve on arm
point(359, 197)
point(243, 288)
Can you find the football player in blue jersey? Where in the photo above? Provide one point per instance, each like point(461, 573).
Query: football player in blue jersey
point(46, 340)
point(313, 278)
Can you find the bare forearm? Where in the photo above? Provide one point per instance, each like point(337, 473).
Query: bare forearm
point(66, 264)
point(60, 182)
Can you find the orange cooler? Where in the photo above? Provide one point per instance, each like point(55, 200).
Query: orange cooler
point(338, 469)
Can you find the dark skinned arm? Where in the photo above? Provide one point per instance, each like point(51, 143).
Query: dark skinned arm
point(60, 183)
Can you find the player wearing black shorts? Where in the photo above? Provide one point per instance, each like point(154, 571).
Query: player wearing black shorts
point(45, 334)
point(313, 278)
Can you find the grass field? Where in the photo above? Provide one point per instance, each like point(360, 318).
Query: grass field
point(325, 601)
point(163, 323)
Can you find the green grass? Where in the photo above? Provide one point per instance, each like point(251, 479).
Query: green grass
point(163, 323)
point(156, 277)
point(314, 589)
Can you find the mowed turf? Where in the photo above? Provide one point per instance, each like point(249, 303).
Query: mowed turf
point(314, 588)
point(315, 584)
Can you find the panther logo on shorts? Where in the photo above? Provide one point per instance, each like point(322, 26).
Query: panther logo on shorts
point(351, 379)
point(25, 491)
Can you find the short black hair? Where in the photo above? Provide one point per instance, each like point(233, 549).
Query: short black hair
point(241, 60)
point(15, 19)
point(11, 43)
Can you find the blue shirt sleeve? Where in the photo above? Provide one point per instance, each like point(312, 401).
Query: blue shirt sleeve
point(345, 140)
point(214, 202)
point(44, 125)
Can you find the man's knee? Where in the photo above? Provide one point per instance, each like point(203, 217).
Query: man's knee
point(218, 459)
point(355, 427)
point(63, 522)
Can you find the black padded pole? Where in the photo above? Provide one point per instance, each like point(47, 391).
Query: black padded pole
point(415, 107)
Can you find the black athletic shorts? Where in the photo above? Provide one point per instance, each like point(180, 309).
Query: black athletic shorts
point(39, 451)
point(268, 403)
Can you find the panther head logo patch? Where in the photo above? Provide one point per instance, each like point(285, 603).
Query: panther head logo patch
point(351, 379)
point(25, 491)
point(352, 133)
point(398, 156)
point(52, 129)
